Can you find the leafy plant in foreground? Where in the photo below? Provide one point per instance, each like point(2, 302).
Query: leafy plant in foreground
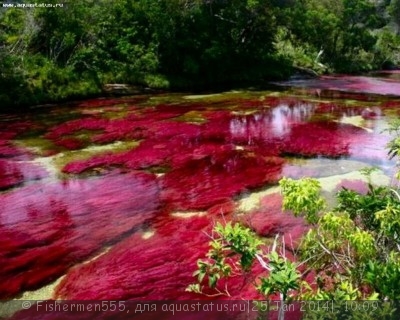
point(233, 250)
point(302, 198)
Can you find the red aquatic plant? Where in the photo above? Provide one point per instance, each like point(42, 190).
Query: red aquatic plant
point(371, 147)
point(336, 110)
point(72, 126)
point(70, 143)
point(8, 132)
point(13, 172)
point(200, 184)
point(390, 104)
point(158, 260)
point(168, 129)
point(223, 209)
point(168, 111)
point(162, 266)
point(8, 150)
point(322, 139)
point(121, 129)
point(357, 185)
point(47, 228)
point(145, 155)
point(64, 134)
point(104, 102)
point(9, 175)
point(134, 126)
point(170, 142)
point(372, 113)
point(269, 220)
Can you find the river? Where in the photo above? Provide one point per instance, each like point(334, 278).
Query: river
point(113, 198)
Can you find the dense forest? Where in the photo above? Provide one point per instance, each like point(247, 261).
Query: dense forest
point(72, 49)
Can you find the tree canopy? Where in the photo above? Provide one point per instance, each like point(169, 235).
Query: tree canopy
point(61, 52)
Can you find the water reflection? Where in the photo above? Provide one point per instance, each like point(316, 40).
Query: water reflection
point(270, 123)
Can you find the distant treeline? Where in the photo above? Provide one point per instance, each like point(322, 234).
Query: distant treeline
point(53, 54)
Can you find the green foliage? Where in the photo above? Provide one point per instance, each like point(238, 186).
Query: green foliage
point(160, 44)
point(228, 242)
point(302, 197)
point(185, 44)
point(389, 219)
point(387, 48)
point(386, 276)
point(345, 32)
point(363, 207)
point(301, 54)
point(334, 247)
point(343, 291)
point(282, 278)
point(394, 11)
point(233, 250)
point(238, 240)
point(358, 242)
point(394, 144)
